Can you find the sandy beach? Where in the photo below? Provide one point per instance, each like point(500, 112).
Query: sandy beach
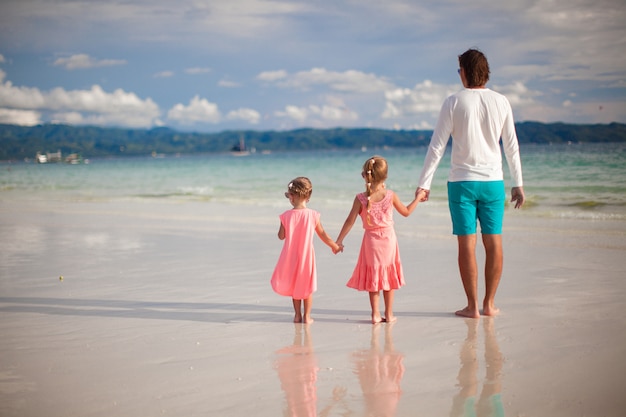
point(165, 308)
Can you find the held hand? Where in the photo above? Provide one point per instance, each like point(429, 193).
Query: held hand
point(517, 195)
point(422, 194)
point(338, 249)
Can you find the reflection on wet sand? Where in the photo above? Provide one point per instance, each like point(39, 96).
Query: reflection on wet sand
point(297, 369)
point(380, 372)
point(489, 403)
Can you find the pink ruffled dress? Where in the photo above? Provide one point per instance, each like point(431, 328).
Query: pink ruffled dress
point(378, 267)
point(295, 274)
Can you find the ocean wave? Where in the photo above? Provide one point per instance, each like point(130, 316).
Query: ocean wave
point(196, 190)
point(557, 213)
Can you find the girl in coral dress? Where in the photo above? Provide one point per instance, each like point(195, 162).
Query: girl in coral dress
point(378, 266)
point(295, 274)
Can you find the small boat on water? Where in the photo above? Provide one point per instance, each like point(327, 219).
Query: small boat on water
point(41, 158)
point(240, 148)
point(44, 158)
point(74, 159)
point(56, 157)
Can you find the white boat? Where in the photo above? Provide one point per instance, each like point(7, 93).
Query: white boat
point(48, 157)
point(41, 158)
point(240, 149)
point(57, 157)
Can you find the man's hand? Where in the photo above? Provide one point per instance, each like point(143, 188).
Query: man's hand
point(517, 195)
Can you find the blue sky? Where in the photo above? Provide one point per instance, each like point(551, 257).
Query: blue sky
point(218, 65)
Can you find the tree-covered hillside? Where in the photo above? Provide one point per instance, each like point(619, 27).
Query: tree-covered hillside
point(19, 142)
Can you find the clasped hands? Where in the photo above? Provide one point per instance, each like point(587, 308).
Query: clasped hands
point(422, 194)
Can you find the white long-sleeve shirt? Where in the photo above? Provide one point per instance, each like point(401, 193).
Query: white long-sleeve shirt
point(476, 118)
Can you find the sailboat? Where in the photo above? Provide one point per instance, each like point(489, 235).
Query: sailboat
point(240, 149)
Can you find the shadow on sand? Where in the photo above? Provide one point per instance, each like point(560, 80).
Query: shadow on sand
point(167, 310)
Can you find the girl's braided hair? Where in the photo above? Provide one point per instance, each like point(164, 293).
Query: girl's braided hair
point(374, 171)
point(300, 186)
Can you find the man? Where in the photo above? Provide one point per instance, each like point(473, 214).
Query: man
point(476, 118)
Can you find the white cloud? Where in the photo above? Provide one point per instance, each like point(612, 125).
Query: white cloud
point(197, 70)
point(228, 84)
point(20, 117)
point(350, 81)
point(318, 115)
point(272, 75)
point(83, 61)
point(99, 101)
point(198, 111)
point(616, 84)
point(93, 106)
point(335, 113)
point(423, 125)
point(293, 112)
point(423, 99)
point(201, 111)
point(72, 118)
point(21, 97)
point(2, 60)
point(518, 94)
point(164, 74)
point(249, 115)
point(105, 119)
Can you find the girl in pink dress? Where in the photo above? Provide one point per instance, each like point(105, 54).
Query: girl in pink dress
point(378, 267)
point(295, 274)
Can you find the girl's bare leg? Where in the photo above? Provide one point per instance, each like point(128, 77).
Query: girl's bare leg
point(297, 307)
point(374, 303)
point(308, 304)
point(388, 296)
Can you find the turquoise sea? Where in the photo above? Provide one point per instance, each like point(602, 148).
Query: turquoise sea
point(586, 181)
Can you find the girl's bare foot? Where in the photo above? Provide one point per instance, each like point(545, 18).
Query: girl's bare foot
point(297, 318)
point(390, 318)
point(491, 311)
point(376, 318)
point(308, 320)
point(470, 313)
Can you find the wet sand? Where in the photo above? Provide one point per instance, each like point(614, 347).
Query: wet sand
point(165, 308)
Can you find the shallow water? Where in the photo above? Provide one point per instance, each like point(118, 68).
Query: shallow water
point(571, 181)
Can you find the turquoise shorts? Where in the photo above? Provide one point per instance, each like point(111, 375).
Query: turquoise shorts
point(472, 201)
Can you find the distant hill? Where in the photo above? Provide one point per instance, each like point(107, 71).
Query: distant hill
point(19, 142)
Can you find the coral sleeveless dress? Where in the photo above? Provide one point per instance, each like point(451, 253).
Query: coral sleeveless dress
point(295, 274)
point(378, 267)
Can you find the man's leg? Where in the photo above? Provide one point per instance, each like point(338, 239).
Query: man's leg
point(469, 274)
point(493, 272)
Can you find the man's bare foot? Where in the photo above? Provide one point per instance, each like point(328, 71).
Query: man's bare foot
point(390, 318)
point(376, 318)
point(469, 313)
point(491, 311)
